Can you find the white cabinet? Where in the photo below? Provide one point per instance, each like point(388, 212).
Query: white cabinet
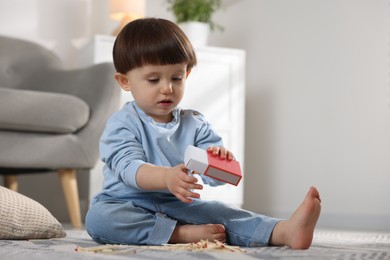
point(216, 88)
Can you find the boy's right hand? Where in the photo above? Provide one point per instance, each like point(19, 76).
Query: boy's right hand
point(180, 184)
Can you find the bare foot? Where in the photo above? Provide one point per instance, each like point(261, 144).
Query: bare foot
point(195, 233)
point(297, 232)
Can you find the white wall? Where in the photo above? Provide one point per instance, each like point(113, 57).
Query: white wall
point(64, 26)
point(318, 95)
point(318, 74)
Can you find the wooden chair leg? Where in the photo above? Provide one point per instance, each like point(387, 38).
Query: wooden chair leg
point(11, 182)
point(69, 186)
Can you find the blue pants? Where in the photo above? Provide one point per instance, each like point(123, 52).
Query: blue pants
point(152, 221)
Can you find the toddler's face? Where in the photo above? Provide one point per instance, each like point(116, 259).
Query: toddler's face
point(157, 89)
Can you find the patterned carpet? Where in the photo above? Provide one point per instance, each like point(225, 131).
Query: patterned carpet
point(327, 244)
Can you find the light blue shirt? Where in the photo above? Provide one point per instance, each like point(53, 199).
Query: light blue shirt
point(132, 138)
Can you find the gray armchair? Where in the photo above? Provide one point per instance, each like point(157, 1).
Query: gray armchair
point(51, 118)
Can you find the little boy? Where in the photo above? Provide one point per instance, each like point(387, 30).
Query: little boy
point(148, 197)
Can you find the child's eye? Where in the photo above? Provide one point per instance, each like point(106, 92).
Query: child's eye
point(154, 80)
point(177, 78)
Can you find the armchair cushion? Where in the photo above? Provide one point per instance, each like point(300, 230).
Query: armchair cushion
point(24, 218)
point(38, 111)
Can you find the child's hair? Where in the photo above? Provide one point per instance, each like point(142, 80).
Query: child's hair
point(151, 41)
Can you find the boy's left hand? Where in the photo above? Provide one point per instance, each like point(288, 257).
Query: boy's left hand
point(221, 151)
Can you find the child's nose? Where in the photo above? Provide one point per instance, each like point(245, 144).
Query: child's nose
point(166, 88)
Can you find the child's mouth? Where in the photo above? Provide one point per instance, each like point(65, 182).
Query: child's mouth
point(165, 102)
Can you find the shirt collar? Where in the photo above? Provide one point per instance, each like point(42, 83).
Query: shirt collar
point(164, 128)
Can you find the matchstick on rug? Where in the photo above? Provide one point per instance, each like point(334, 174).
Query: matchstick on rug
point(202, 245)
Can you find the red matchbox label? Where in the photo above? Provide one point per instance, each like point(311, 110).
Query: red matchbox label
point(228, 171)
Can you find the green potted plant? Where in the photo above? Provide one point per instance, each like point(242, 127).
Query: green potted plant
point(195, 18)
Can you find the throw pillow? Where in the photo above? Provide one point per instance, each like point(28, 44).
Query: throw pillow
point(24, 218)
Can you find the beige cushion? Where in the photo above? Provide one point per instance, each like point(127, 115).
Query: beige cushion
point(24, 218)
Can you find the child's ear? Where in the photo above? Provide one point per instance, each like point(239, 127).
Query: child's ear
point(188, 73)
point(122, 81)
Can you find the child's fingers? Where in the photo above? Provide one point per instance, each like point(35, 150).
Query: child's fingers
point(186, 196)
point(187, 178)
point(190, 183)
point(214, 150)
point(190, 194)
point(183, 199)
point(222, 152)
point(195, 187)
point(230, 156)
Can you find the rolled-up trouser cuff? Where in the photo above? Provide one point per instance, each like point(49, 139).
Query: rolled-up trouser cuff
point(263, 232)
point(162, 230)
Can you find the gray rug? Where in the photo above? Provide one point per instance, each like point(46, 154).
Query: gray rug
point(327, 244)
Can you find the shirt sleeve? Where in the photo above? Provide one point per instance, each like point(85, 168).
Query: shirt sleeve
point(121, 150)
point(206, 136)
